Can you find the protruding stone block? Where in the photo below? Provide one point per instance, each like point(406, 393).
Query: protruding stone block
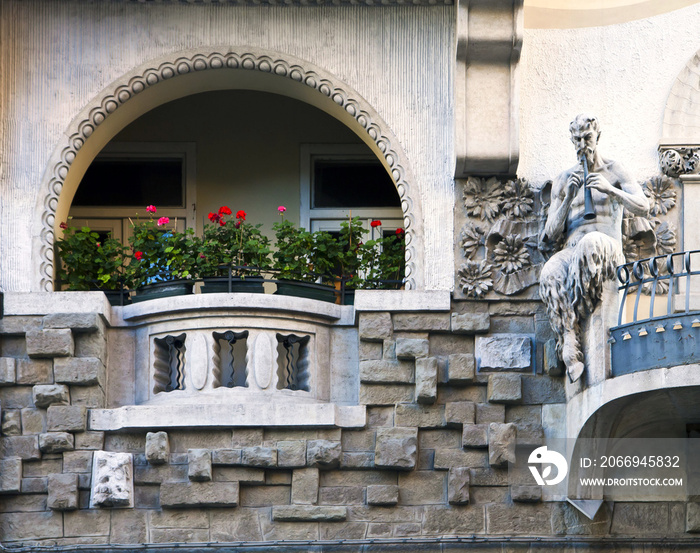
point(50, 343)
point(396, 448)
point(309, 513)
point(34, 371)
point(305, 486)
point(386, 371)
point(66, 418)
point(79, 371)
point(112, 480)
point(291, 453)
point(525, 494)
point(56, 442)
point(475, 435)
point(79, 322)
point(45, 395)
point(461, 368)
point(502, 441)
point(7, 371)
point(259, 456)
point(504, 388)
point(504, 352)
point(198, 494)
point(11, 423)
point(458, 413)
point(63, 492)
point(226, 457)
point(421, 416)
point(412, 348)
point(375, 327)
point(323, 454)
point(426, 379)
point(10, 475)
point(158, 448)
point(199, 465)
point(25, 447)
point(458, 486)
point(470, 323)
point(382, 494)
point(413, 322)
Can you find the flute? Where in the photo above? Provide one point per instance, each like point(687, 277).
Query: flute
point(589, 210)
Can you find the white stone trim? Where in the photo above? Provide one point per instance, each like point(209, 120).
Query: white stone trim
point(402, 300)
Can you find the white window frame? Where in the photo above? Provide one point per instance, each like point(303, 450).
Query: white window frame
point(111, 218)
point(329, 219)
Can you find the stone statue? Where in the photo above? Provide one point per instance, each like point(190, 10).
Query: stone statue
point(571, 282)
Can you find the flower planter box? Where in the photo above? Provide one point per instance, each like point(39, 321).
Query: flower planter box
point(306, 290)
point(163, 290)
point(248, 285)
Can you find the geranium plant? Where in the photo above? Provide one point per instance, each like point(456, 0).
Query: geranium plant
point(160, 252)
point(352, 251)
point(230, 241)
point(383, 261)
point(89, 262)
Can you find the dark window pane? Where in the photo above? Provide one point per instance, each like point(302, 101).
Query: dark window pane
point(353, 184)
point(132, 183)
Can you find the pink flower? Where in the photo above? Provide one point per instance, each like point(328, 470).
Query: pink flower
point(163, 221)
point(240, 215)
point(376, 223)
point(138, 256)
point(64, 226)
point(202, 256)
point(151, 208)
point(99, 245)
point(281, 209)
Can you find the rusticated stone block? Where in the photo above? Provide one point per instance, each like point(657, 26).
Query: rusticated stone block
point(489, 412)
point(11, 423)
point(291, 453)
point(309, 513)
point(199, 465)
point(79, 371)
point(518, 518)
point(375, 327)
point(112, 480)
point(305, 486)
point(458, 413)
point(66, 418)
point(198, 494)
point(396, 448)
point(50, 343)
point(357, 459)
point(18, 326)
point(386, 371)
point(470, 323)
point(158, 448)
point(33, 485)
point(525, 494)
point(502, 441)
point(458, 486)
point(420, 416)
point(78, 322)
point(442, 520)
point(382, 495)
point(10, 475)
point(33, 421)
point(77, 461)
point(370, 350)
point(422, 321)
point(426, 379)
point(25, 447)
point(7, 371)
point(259, 456)
point(323, 454)
point(692, 518)
point(63, 492)
point(89, 440)
point(504, 352)
point(226, 457)
point(34, 371)
point(475, 435)
point(45, 395)
point(542, 389)
point(461, 368)
point(552, 365)
point(504, 388)
point(386, 394)
point(56, 442)
point(449, 458)
point(412, 348)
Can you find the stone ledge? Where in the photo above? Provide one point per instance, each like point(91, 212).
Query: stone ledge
point(402, 300)
point(245, 414)
point(309, 513)
point(48, 303)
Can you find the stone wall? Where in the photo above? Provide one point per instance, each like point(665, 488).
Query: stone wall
point(449, 395)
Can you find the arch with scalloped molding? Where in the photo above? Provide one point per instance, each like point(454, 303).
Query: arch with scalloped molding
point(682, 114)
point(182, 74)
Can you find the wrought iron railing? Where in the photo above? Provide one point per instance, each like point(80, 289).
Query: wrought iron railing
point(668, 275)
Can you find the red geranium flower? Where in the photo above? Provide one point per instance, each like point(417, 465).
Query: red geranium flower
point(224, 210)
point(64, 226)
point(375, 223)
point(399, 231)
point(213, 217)
point(138, 256)
point(240, 215)
point(222, 223)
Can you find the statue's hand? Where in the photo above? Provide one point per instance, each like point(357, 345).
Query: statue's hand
point(573, 183)
point(598, 182)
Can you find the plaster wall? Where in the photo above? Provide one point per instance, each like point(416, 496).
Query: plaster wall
point(57, 57)
point(621, 73)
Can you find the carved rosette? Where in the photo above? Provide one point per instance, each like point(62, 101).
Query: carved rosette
point(680, 160)
point(504, 257)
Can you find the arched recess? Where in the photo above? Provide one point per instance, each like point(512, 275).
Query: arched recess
point(185, 73)
point(682, 114)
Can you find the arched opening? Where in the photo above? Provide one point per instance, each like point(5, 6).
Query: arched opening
point(147, 88)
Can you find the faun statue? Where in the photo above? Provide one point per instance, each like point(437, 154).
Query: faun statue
point(571, 282)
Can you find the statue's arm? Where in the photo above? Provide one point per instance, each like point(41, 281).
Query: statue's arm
point(563, 193)
point(628, 192)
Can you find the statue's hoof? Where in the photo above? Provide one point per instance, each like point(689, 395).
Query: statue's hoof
point(575, 371)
